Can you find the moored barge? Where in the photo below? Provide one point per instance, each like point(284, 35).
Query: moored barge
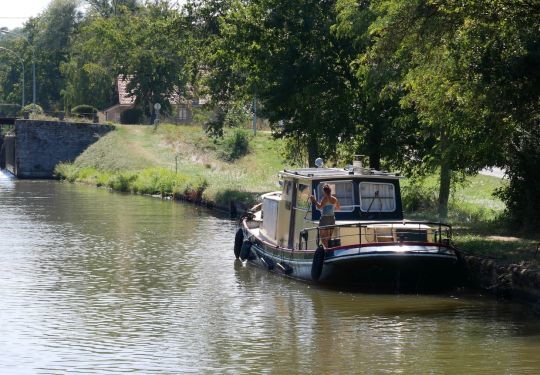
point(371, 244)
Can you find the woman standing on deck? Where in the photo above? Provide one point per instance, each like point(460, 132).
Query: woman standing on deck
point(328, 205)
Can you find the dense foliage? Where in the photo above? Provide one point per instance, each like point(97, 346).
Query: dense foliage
point(132, 116)
point(84, 110)
point(420, 85)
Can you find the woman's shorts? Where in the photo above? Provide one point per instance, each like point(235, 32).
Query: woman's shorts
point(327, 220)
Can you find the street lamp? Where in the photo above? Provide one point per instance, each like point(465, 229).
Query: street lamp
point(22, 65)
point(4, 30)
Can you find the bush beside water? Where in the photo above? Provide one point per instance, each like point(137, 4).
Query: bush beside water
point(152, 181)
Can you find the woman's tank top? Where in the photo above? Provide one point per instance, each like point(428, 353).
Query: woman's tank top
point(328, 210)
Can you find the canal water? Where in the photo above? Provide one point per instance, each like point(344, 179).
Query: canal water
point(100, 282)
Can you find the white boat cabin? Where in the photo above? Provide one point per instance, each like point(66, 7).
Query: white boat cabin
point(364, 195)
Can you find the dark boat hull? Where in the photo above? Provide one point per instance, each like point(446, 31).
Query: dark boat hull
point(411, 269)
point(414, 272)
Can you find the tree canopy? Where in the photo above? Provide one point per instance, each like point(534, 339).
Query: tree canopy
point(421, 85)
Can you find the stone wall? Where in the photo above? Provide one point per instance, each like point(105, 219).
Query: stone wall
point(41, 145)
point(518, 281)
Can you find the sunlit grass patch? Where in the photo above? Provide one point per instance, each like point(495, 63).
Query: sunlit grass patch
point(471, 202)
point(507, 249)
point(147, 181)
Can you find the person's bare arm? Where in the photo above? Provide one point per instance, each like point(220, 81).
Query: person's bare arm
point(317, 204)
point(338, 206)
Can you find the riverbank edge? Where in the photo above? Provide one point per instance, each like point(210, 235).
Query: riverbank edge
point(234, 208)
point(505, 281)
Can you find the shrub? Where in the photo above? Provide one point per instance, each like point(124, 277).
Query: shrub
point(87, 175)
point(195, 188)
point(122, 181)
point(417, 197)
point(235, 145)
point(148, 181)
point(168, 183)
point(132, 116)
point(154, 181)
point(29, 108)
point(103, 179)
point(66, 171)
point(84, 110)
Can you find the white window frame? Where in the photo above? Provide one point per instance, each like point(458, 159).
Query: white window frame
point(344, 208)
point(377, 183)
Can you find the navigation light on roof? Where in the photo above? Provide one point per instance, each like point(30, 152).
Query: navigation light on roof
point(319, 162)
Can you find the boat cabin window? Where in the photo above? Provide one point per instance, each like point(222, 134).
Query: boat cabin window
point(377, 197)
point(302, 197)
point(287, 190)
point(344, 192)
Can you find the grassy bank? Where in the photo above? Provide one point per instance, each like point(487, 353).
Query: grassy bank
point(179, 160)
point(182, 161)
point(477, 217)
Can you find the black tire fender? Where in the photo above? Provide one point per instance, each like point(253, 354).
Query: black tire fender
point(246, 250)
point(317, 264)
point(238, 240)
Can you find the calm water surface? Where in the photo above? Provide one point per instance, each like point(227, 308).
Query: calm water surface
point(96, 282)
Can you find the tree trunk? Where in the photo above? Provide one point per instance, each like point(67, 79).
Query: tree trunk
point(375, 159)
point(374, 139)
point(313, 151)
point(444, 189)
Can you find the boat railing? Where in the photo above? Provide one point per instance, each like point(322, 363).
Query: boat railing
point(387, 232)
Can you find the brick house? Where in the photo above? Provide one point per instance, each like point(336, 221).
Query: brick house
point(182, 109)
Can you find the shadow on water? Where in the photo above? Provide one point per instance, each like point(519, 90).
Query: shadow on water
point(354, 302)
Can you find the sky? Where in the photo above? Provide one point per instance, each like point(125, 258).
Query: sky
point(13, 13)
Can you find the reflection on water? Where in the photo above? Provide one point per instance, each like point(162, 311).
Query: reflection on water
point(95, 282)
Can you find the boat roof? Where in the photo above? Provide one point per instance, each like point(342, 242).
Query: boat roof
point(337, 173)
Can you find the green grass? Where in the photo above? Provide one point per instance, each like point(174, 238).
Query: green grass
point(477, 217)
point(152, 181)
point(504, 249)
point(123, 159)
point(471, 201)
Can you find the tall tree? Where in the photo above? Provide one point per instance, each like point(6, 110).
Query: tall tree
point(381, 132)
point(147, 48)
point(413, 46)
point(50, 36)
point(107, 8)
point(10, 73)
point(286, 55)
